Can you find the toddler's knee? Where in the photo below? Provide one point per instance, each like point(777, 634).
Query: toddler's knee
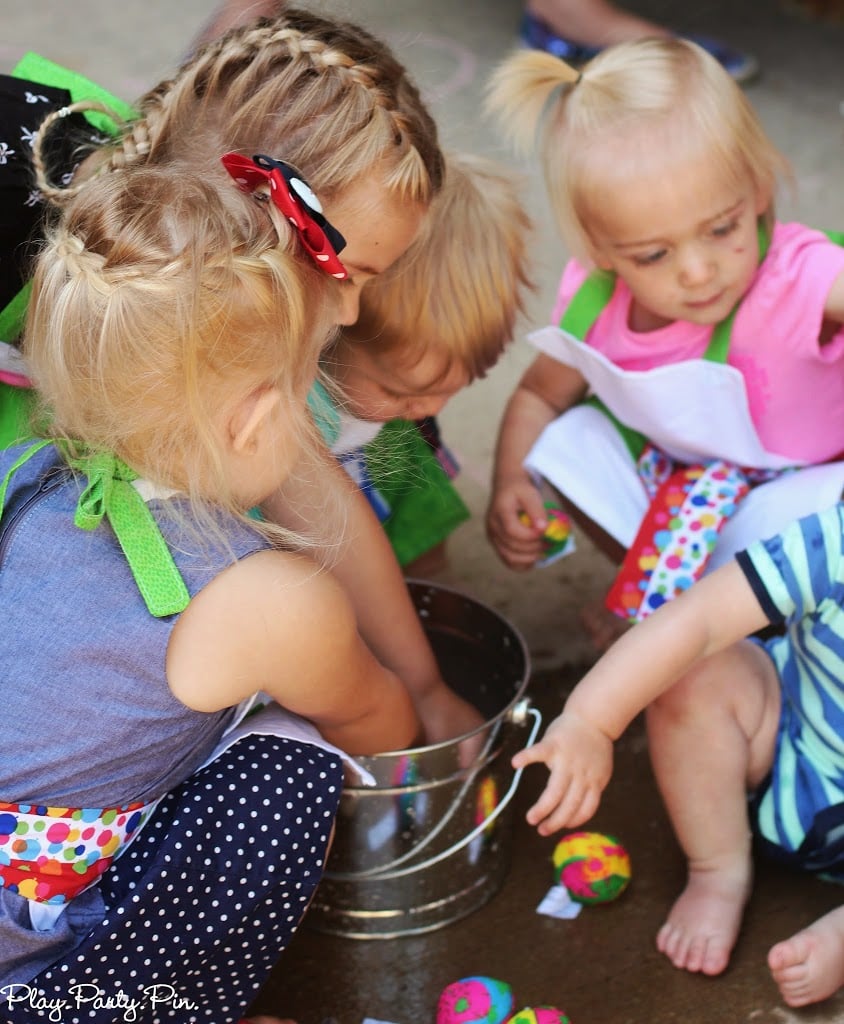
point(689, 695)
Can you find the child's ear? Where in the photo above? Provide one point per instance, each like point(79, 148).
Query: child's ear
point(249, 417)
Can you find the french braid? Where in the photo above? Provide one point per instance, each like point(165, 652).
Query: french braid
point(325, 96)
point(154, 303)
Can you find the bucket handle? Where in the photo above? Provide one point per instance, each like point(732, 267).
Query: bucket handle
point(520, 713)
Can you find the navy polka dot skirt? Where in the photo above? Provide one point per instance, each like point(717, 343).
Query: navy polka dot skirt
point(202, 903)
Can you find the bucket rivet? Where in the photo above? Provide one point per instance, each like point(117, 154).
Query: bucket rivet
point(519, 714)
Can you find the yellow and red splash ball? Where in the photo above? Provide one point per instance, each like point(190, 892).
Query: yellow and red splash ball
point(595, 868)
point(539, 1015)
point(475, 1000)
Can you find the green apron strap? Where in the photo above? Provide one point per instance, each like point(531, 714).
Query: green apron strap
point(587, 304)
point(19, 461)
point(110, 493)
point(719, 344)
point(35, 68)
point(13, 315)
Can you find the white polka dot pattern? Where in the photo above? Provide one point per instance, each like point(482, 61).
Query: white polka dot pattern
point(203, 902)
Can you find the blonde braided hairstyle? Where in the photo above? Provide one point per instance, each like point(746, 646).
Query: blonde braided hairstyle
point(155, 308)
point(325, 96)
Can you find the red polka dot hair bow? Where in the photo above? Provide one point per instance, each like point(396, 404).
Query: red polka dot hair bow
point(292, 195)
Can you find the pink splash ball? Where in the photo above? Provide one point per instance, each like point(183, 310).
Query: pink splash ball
point(539, 1015)
point(475, 1000)
point(595, 868)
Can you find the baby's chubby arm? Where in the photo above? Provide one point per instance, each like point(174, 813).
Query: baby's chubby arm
point(277, 622)
point(717, 611)
point(546, 389)
point(363, 561)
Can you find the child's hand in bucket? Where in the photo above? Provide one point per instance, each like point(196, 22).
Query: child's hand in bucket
point(446, 716)
point(579, 758)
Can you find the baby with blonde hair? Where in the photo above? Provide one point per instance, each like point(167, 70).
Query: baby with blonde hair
point(329, 102)
point(696, 342)
point(436, 321)
point(173, 337)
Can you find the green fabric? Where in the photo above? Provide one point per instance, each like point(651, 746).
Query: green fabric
point(36, 446)
point(110, 493)
point(15, 414)
point(32, 67)
point(13, 317)
point(35, 68)
point(16, 403)
point(425, 506)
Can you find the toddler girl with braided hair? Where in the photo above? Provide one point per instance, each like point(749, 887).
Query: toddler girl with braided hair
point(160, 843)
point(329, 100)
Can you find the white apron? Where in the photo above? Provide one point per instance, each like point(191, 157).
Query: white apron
point(694, 411)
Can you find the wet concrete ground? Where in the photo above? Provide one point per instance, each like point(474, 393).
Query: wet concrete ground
point(600, 968)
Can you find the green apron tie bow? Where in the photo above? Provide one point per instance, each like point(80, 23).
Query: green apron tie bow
point(110, 493)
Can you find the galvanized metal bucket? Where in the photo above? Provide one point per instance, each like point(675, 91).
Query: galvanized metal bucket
point(430, 842)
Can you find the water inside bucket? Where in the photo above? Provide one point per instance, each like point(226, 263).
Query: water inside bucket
point(391, 870)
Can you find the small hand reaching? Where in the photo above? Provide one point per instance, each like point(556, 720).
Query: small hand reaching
point(579, 757)
point(515, 523)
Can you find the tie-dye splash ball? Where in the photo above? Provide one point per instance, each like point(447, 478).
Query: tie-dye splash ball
point(475, 1000)
point(539, 1015)
point(595, 868)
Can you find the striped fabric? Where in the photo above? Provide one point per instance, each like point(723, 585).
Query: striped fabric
point(798, 577)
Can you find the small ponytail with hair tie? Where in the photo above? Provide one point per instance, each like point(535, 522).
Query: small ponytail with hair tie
point(523, 88)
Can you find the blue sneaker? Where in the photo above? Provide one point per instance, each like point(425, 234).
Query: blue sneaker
point(537, 35)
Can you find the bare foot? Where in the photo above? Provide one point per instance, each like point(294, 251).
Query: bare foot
point(602, 627)
point(703, 924)
point(809, 966)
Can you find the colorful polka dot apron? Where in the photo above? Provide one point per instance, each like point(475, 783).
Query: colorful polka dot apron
point(51, 854)
point(689, 502)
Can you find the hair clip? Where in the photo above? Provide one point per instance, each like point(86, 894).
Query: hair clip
point(292, 195)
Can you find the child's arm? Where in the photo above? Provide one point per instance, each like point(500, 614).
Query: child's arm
point(277, 622)
point(834, 307)
point(546, 389)
point(577, 746)
point(366, 566)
